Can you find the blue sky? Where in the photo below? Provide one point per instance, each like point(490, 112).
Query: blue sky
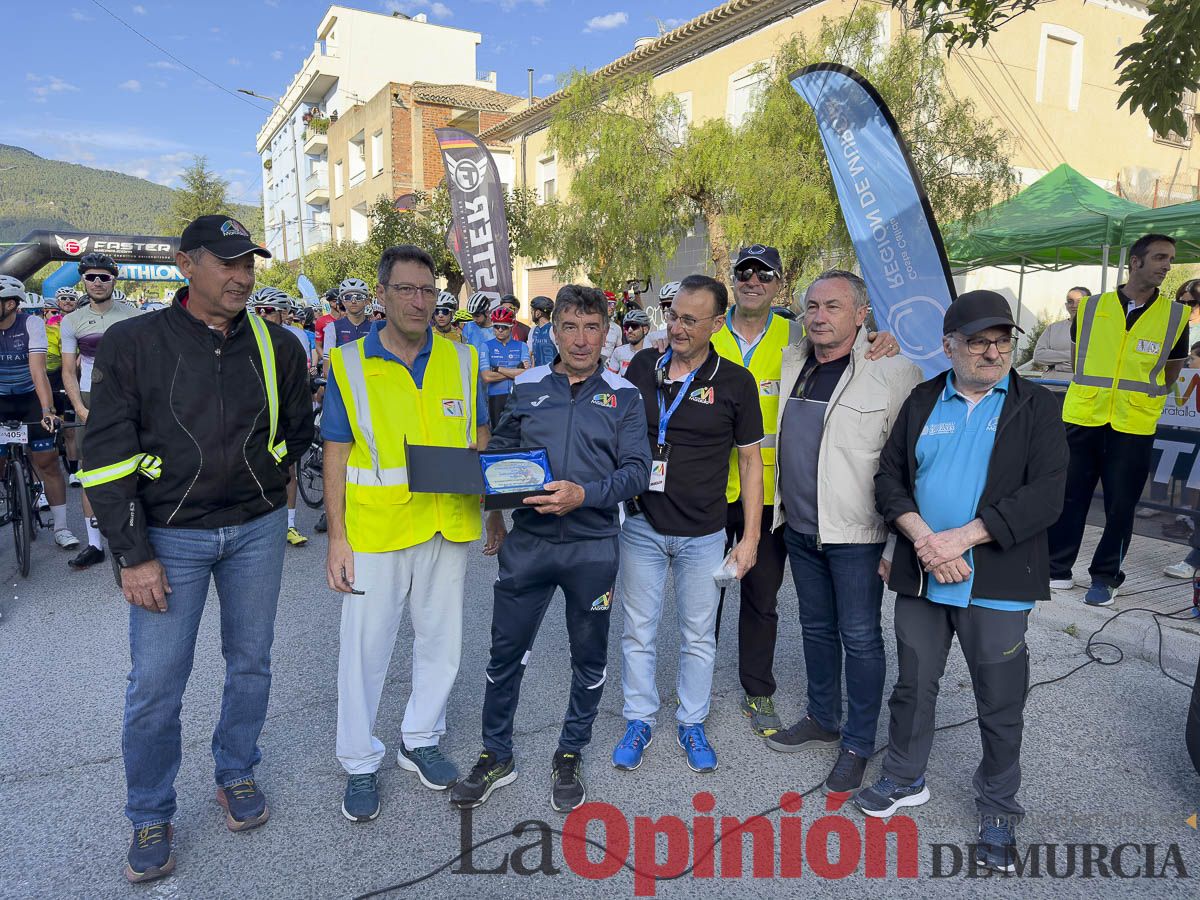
point(84, 88)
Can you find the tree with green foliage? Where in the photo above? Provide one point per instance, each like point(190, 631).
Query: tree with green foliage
point(1156, 70)
point(642, 179)
point(203, 193)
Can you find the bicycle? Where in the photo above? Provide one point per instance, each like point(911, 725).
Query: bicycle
point(310, 478)
point(21, 490)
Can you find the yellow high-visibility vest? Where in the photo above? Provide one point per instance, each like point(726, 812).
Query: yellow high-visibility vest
point(386, 409)
point(1119, 374)
point(765, 362)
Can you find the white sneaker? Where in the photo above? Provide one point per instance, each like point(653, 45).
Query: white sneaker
point(42, 502)
point(68, 541)
point(1064, 584)
point(74, 480)
point(1179, 570)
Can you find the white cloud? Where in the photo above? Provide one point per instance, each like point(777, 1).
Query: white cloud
point(165, 64)
point(547, 79)
point(131, 85)
point(534, 40)
point(139, 9)
point(80, 16)
point(44, 86)
point(411, 7)
point(276, 55)
point(607, 22)
point(672, 24)
point(235, 62)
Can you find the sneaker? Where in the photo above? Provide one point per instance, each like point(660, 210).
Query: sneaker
point(87, 557)
point(885, 796)
point(847, 773)
point(65, 539)
point(244, 804)
point(628, 753)
point(1145, 512)
point(701, 757)
point(761, 711)
point(74, 481)
point(1179, 570)
point(568, 791)
point(1062, 584)
point(361, 800)
point(151, 855)
point(42, 502)
point(435, 771)
point(487, 775)
point(1100, 595)
point(997, 847)
point(1177, 530)
point(321, 527)
point(295, 538)
point(804, 735)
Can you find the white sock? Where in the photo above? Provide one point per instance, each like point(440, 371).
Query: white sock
point(60, 516)
point(291, 518)
point(95, 539)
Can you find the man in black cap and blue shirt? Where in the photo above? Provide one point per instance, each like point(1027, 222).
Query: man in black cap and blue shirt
point(971, 478)
point(197, 414)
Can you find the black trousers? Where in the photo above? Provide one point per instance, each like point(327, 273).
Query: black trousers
point(758, 613)
point(530, 570)
point(1120, 463)
point(1192, 731)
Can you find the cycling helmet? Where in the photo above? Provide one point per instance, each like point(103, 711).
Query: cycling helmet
point(510, 299)
point(447, 300)
point(119, 296)
point(636, 316)
point(11, 288)
point(331, 295)
point(32, 302)
point(270, 296)
point(545, 304)
point(666, 294)
point(98, 261)
point(479, 302)
point(462, 316)
point(503, 315)
point(354, 286)
point(66, 293)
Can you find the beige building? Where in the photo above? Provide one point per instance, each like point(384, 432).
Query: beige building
point(1047, 78)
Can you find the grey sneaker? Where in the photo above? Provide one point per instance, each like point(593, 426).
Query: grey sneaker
point(761, 712)
point(435, 771)
point(885, 796)
point(804, 735)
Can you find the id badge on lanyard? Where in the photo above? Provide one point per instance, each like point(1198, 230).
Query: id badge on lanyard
point(662, 452)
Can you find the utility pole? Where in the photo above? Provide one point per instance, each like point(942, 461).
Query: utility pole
point(296, 165)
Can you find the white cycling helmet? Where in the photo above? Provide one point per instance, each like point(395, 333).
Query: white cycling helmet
point(479, 302)
point(11, 288)
point(33, 302)
point(119, 295)
point(354, 286)
point(446, 300)
point(666, 294)
point(66, 293)
point(270, 296)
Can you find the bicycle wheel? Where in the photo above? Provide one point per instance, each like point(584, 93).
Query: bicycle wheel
point(21, 510)
point(309, 477)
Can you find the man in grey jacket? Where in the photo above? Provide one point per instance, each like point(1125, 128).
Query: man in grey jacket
point(1055, 350)
point(838, 410)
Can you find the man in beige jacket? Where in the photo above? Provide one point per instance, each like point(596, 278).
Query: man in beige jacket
point(838, 411)
point(1055, 350)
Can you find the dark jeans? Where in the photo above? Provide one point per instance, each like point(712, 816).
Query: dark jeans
point(1120, 462)
point(993, 644)
point(530, 570)
point(758, 612)
point(1192, 730)
point(840, 594)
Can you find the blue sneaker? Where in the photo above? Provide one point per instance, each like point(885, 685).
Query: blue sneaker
point(885, 796)
point(997, 847)
point(628, 753)
point(244, 804)
point(361, 801)
point(150, 853)
point(1100, 594)
point(701, 757)
point(435, 771)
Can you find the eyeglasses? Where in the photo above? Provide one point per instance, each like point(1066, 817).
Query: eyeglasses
point(688, 322)
point(978, 346)
point(100, 277)
point(408, 291)
point(765, 276)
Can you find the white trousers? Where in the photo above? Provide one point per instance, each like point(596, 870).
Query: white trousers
point(428, 579)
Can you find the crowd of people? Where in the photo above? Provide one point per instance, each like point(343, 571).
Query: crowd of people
point(727, 447)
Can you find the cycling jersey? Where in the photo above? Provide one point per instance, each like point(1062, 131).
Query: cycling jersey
point(83, 329)
point(510, 356)
point(302, 337)
point(621, 358)
point(26, 335)
point(541, 344)
point(451, 335)
point(343, 331)
point(477, 337)
point(54, 342)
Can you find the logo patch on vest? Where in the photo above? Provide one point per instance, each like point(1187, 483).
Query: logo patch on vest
point(608, 401)
point(453, 408)
point(1145, 346)
point(602, 603)
point(705, 395)
point(768, 388)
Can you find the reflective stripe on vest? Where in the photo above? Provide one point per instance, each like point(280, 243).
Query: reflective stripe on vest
point(266, 352)
point(145, 464)
point(1151, 385)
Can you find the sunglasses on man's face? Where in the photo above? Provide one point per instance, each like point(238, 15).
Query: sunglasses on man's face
point(632, 327)
point(101, 277)
point(266, 310)
point(443, 312)
point(765, 276)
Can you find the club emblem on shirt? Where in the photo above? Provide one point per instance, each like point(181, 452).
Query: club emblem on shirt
point(452, 408)
point(705, 395)
point(608, 401)
point(603, 602)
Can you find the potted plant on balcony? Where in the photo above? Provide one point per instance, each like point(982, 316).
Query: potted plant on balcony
point(318, 124)
point(267, 164)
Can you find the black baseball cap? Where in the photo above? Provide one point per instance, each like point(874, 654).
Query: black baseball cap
point(221, 236)
point(974, 311)
point(761, 254)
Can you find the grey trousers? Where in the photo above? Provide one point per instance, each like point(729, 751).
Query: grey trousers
point(993, 643)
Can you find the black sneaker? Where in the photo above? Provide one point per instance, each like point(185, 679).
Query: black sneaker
point(244, 804)
point(997, 847)
point(360, 803)
point(566, 775)
point(804, 735)
point(88, 556)
point(847, 773)
point(321, 527)
point(885, 796)
point(487, 775)
point(151, 855)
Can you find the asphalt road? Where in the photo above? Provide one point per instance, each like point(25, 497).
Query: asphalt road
point(1103, 756)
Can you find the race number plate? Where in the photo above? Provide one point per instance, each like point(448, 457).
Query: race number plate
point(18, 435)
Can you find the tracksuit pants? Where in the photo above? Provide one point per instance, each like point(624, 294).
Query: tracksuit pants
point(531, 568)
point(427, 580)
point(993, 643)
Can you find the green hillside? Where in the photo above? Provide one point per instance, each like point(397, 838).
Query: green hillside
point(40, 193)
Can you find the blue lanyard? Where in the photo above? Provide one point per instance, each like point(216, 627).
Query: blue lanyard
point(664, 414)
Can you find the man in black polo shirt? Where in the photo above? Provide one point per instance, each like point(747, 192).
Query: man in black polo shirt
point(698, 407)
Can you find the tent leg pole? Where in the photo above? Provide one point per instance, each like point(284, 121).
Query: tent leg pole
point(1020, 292)
point(1104, 271)
point(1121, 265)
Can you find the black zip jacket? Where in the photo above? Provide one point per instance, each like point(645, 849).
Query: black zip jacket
point(168, 385)
point(595, 435)
point(1022, 497)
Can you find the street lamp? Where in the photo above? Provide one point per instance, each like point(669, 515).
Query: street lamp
point(296, 163)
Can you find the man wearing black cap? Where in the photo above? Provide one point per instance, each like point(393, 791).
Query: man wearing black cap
point(971, 478)
point(197, 414)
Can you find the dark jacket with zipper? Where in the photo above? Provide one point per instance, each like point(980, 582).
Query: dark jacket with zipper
point(1022, 496)
point(168, 385)
point(595, 436)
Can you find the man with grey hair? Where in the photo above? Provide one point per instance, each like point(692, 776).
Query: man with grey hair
point(1055, 350)
point(839, 409)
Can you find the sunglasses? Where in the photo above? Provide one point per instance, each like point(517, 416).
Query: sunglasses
point(443, 312)
point(101, 277)
point(500, 325)
point(765, 276)
point(632, 327)
point(266, 310)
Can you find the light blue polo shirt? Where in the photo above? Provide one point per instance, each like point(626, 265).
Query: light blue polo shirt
point(953, 453)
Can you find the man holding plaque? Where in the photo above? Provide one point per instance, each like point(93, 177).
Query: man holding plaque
point(587, 426)
point(389, 546)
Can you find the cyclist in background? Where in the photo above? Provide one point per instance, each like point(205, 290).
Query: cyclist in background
point(355, 298)
point(443, 317)
point(461, 318)
point(335, 312)
point(541, 336)
point(25, 397)
point(520, 331)
point(507, 358)
point(478, 331)
point(666, 296)
point(635, 325)
point(66, 300)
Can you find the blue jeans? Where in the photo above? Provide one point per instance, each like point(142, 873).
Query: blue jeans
point(840, 595)
point(247, 563)
point(646, 556)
